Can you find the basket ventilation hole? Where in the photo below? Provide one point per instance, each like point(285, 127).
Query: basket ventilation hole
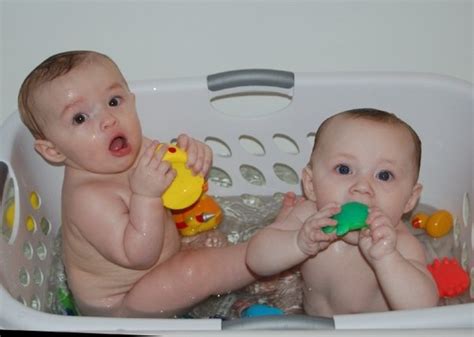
point(49, 299)
point(38, 276)
point(30, 224)
point(28, 250)
point(252, 175)
point(45, 226)
point(219, 177)
point(464, 255)
point(218, 146)
point(466, 210)
point(286, 174)
point(471, 290)
point(310, 137)
point(41, 251)
point(286, 144)
point(24, 277)
point(7, 199)
point(22, 300)
point(35, 200)
point(252, 145)
point(35, 303)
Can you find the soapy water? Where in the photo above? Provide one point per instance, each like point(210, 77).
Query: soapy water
point(243, 216)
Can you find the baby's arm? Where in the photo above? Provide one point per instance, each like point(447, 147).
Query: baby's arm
point(291, 240)
point(144, 234)
point(126, 228)
point(399, 263)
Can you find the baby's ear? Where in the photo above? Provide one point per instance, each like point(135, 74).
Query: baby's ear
point(307, 182)
point(415, 195)
point(49, 151)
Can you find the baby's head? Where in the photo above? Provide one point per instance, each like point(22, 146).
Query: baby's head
point(365, 155)
point(50, 69)
point(377, 116)
point(80, 110)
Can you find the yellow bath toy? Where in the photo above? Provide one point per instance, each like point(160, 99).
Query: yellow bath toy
point(9, 215)
point(436, 225)
point(202, 216)
point(186, 187)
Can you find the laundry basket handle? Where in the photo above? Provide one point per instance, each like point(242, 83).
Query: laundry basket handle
point(251, 77)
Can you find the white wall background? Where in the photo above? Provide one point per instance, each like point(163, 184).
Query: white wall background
point(150, 39)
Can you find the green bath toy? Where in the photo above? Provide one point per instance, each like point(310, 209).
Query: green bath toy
point(352, 217)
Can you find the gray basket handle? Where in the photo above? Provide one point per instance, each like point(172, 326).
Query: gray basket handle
point(251, 77)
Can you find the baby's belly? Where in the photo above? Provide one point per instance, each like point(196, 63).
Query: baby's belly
point(340, 284)
point(98, 285)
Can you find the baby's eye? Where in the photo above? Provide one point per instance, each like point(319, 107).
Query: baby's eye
point(385, 175)
point(343, 169)
point(79, 118)
point(115, 101)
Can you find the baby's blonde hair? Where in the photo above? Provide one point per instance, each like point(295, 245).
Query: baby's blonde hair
point(51, 68)
point(376, 116)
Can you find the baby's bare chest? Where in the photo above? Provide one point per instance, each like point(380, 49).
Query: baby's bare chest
point(339, 280)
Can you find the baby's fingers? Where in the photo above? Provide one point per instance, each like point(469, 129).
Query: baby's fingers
point(207, 160)
point(183, 141)
point(149, 153)
point(327, 212)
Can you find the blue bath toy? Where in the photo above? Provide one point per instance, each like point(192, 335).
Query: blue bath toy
point(256, 310)
point(351, 217)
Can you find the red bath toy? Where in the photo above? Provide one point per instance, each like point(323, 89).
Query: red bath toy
point(450, 278)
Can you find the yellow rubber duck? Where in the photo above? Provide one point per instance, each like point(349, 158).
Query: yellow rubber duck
point(436, 225)
point(186, 187)
point(193, 210)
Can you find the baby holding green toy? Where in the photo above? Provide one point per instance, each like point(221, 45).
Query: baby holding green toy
point(361, 158)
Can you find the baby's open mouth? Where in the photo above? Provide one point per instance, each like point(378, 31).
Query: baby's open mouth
point(118, 144)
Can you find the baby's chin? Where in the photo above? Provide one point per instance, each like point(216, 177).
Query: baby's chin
point(351, 238)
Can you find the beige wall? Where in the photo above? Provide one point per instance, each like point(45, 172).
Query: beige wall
point(150, 39)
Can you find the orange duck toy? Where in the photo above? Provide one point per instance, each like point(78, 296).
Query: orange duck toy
point(436, 225)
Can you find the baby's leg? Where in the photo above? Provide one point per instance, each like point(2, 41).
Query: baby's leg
point(186, 279)
point(287, 204)
point(212, 238)
point(294, 210)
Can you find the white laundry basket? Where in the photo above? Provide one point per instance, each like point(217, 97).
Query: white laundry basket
point(273, 146)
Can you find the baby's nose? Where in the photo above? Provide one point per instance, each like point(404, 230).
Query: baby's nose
point(362, 185)
point(108, 120)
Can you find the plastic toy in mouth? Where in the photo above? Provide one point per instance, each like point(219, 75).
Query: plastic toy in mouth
point(186, 187)
point(351, 217)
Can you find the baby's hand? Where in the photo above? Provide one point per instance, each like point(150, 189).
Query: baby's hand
point(380, 239)
point(311, 239)
point(199, 154)
point(152, 176)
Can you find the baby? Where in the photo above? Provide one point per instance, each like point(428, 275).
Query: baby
point(372, 157)
point(121, 249)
